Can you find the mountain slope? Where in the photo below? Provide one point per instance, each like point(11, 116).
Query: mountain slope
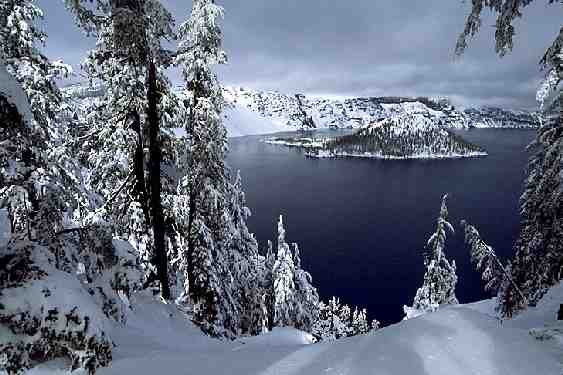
point(358, 112)
point(241, 121)
point(459, 340)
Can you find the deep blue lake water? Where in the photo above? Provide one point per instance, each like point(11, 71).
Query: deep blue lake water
point(362, 225)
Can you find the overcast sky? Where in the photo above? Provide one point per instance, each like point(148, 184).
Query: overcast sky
point(359, 48)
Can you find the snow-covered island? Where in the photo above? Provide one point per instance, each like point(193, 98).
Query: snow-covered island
point(398, 137)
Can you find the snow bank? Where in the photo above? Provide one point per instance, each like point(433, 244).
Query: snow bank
point(284, 336)
point(460, 340)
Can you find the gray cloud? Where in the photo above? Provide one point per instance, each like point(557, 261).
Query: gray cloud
point(359, 48)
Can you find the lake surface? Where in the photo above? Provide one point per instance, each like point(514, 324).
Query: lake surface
point(362, 224)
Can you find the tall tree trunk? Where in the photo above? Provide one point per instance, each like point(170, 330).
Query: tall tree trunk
point(191, 240)
point(155, 183)
point(192, 189)
point(140, 189)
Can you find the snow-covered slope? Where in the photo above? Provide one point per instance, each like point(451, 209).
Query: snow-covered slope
point(241, 121)
point(460, 340)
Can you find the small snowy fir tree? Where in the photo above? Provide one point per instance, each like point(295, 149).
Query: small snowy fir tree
point(306, 296)
point(360, 324)
point(539, 256)
point(247, 266)
point(336, 321)
point(333, 322)
point(291, 298)
point(440, 278)
point(483, 256)
point(284, 287)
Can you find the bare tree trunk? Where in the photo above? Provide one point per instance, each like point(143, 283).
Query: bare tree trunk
point(155, 183)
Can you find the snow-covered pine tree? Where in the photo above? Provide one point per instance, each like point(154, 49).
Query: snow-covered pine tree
point(219, 258)
point(336, 321)
point(375, 325)
point(43, 184)
point(204, 177)
point(440, 278)
point(494, 274)
point(138, 103)
point(321, 329)
point(306, 296)
point(360, 325)
point(43, 325)
point(248, 267)
point(291, 299)
point(269, 262)
point(283, 281)
point(333, 322)
point(538, 261)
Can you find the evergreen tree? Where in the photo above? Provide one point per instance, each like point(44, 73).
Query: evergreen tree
point(291, 298)
point(360, 325)
point(336, 321)
point(283, 281)
point(306, 296)
point(39, 184)
point(138, 101)
point(43, 262)
point(269, 262)
point(440, 278)
point(204, 178)
point(224, 276)
point(248, 267)
point(539, 256)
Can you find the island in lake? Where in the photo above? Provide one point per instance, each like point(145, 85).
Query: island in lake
point(400, 137)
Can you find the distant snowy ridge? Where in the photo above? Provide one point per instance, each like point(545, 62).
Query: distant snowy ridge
point(358, 112)
point(250, 112)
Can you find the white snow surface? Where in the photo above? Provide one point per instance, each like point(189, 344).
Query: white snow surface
point(241, 121)
point(458, 340)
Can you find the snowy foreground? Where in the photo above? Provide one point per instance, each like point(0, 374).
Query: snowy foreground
point(465, 339)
